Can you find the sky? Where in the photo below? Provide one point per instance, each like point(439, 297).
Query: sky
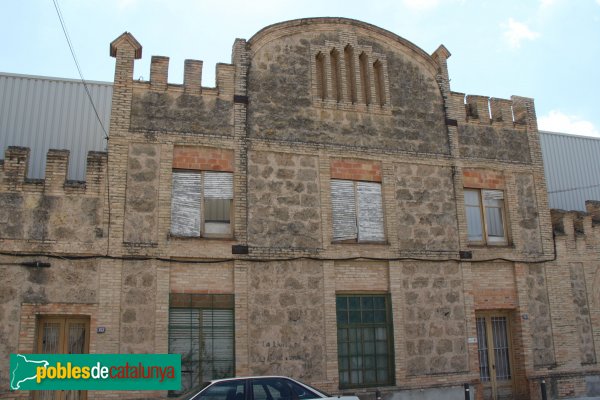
point(545, 49)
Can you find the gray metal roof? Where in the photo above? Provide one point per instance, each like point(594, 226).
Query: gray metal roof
point(572, 169)
point(53, 113)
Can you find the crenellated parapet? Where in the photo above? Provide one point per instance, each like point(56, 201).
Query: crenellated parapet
point(495, 129)
point(52, 214)
point(159, 106)
point(13, 173)
point(577, 226)
point(485, 110)
point(192, 78)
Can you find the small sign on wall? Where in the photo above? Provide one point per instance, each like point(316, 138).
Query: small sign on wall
point(100, 329)
point(472, 340)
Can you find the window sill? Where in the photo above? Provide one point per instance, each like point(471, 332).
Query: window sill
point(491, 245)
point(171, 236)
point(382, 243)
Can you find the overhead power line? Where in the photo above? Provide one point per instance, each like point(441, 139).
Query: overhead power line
point(573, 189)
point(87, 90)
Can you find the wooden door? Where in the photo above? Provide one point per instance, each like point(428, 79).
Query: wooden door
point(495, 355)
point(62, 335)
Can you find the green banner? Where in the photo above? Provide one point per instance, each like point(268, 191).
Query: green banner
point(95, 372)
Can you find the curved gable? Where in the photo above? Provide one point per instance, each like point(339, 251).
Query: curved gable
point(325, 24)
point(345, 82)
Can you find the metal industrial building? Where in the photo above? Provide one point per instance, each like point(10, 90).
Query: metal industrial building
point(45, 113)
point(572, 169)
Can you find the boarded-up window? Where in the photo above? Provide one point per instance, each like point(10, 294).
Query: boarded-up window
point(485, 216)
point(201, 330)
point(185, 203)
point(357, 211)
point(201, 203)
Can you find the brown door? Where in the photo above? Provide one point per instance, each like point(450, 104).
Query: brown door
point(62, 335)
point(495, 355)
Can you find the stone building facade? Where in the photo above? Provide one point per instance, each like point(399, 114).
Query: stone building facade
point(330, 211)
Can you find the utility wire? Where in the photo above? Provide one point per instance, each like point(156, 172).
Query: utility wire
point(87, 90)
point(262, 260)
point(573, 189)
point(89, 95)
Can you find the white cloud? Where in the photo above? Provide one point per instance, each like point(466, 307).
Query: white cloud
point(126, 4)
point(556, 121)
point(515, 32)
point(420, 5)
point(549, 3)
point(425, 5)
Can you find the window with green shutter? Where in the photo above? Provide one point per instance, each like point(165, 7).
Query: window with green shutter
point(365, 340)
point(201, 329)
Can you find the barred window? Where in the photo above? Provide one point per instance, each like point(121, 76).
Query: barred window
point(201, 330)
point(365, 340)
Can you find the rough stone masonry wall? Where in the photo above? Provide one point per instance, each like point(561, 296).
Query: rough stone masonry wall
point(41, 217)
point(582, 314)
point(527, 209)
point(188, 108)
point(281, 101)
point(64, 282)
point(494, 143)
point(285, 319)
point(51, 213)
point(539, 312)
point(138, 307)
point(141, 204)
point(180, 112)
point(434, 329)
point(283, 200)
point(571, 283)
point(426, 208)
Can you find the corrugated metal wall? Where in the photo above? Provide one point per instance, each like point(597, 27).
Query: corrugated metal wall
point(51, 113)
point(572, 169)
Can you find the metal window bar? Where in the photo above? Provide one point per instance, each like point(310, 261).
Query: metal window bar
point(204, 335)
point(501, 348)
point(482, 350)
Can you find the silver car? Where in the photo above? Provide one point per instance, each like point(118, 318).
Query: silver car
point(259, 388)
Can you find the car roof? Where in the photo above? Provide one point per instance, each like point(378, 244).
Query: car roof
point(252, 377)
